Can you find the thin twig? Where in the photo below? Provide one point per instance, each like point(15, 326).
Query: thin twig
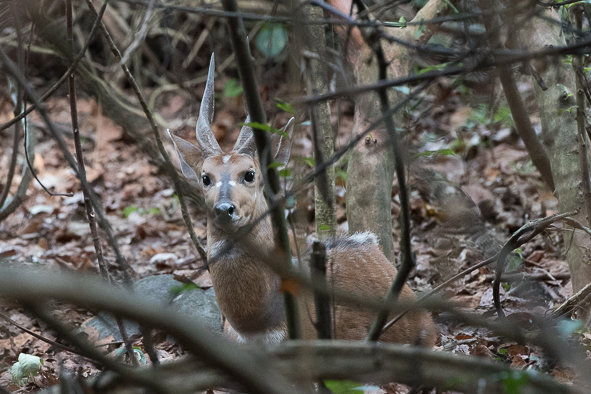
point(40, 337)
point(322, 302)
point(168, 166)
point(18, 107)
point(238, 363)
point(407, 258)
point(526, 232)
point(40, 311)
point(64, 77)
point(82, 173)
point(262, 141)
point(34, 97)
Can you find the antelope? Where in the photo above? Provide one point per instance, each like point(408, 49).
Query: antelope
point(247, 290)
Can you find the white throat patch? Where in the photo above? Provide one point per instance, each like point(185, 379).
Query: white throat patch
point(272, 337)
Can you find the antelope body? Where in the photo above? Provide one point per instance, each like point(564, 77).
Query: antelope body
point(247, 290)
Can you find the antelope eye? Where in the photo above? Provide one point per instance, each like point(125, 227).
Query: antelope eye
point(249, 176)
point(206, 180)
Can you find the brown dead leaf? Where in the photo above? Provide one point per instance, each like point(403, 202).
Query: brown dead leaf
point(563, 374)
point(481, 350)
point(204, 280)
point(291, 286)
point(517, 350)
point(151, 251)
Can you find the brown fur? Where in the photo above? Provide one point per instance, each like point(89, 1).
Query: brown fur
point(363, 270)
point(247, 291)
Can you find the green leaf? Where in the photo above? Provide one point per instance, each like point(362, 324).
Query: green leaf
point(232, 88)
point(17, 374)
point(506, 286)
point(285, 173)
point(343, 387)
point(128, 210)
point(513, 261)
point(271, 40)
point(402, 89)
point(285, 106)
point(178, 290)
point(290, 202)
point(568, 327)
point(137, 351)
point(420, 29)
point(442, 152)
point(433, 67)
point(569, 109)
point(29, 364)
point(264, 127)
point(274, 165)
point(513, 381)
point(452, 6)
point(402, 22)
point(309, 161)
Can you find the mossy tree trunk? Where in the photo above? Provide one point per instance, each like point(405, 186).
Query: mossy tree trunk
point(559, 134)
point(370, 172)
point(323, 138)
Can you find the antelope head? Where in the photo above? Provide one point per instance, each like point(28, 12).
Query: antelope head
point(232, 182)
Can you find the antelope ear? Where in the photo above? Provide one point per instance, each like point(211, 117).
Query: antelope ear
point(282, 145)
point(190, 156)
point(245, 143)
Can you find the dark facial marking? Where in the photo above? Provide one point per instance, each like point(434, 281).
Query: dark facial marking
point(225, 188)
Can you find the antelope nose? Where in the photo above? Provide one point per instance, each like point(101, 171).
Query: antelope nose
point(224, 211)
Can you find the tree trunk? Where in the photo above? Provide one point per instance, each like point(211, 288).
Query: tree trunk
point(370, 172)
point(559, 134)
point(324, 187)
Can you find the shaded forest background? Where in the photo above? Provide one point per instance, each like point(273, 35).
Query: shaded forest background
point(471, 180)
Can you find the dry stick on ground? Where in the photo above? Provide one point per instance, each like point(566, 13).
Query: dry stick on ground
point(40, 310)
point(64, 77)
point(34, 97)
point(40, 337)
point(520, 241)
point(528, 231)
point(573, 303)
point(262, 141)
point(358, 361)
point(168, 166)
point(90, 215)
point(245, 365)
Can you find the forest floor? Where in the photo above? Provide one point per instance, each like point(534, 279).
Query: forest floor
point(477, 153)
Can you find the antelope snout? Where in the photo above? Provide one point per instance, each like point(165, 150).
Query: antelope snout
point(224, 212)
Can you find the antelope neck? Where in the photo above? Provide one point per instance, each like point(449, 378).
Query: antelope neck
point(247, 290)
